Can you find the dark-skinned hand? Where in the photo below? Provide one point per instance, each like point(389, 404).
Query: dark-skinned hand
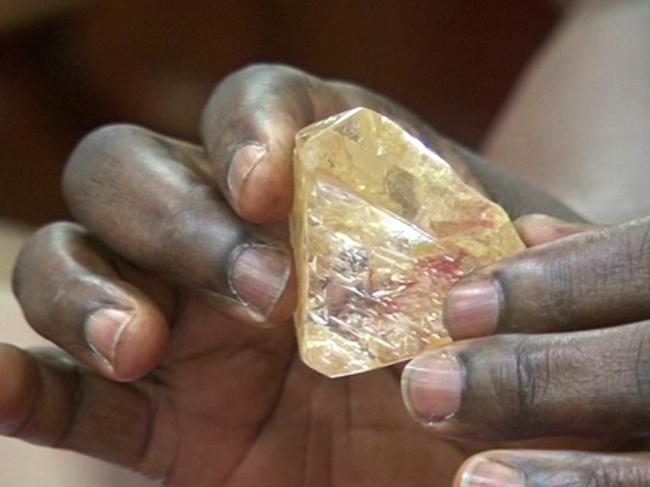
point(570, 356)
point(170, 302)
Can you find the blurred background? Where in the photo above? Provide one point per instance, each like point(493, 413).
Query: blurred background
point(68, 66)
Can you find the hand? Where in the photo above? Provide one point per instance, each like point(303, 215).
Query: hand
point(570, 357)
point(153, 298)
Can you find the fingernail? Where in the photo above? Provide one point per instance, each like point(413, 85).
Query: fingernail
point(485, 473)
point(472, 309)
point(431, 387)
point(540, 229)
point(551, 221)
point(258, 276)
point(244, 160)
point(103, 330)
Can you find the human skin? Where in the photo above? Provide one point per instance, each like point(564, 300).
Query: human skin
point(578, 126)
point(156, 371)
point(550, 342)
point(526, 140)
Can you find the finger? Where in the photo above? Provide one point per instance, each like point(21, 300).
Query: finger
point(585, 384)
point(588, 280)
point(46, 399)
point(150, 199)
point(249, 126)
point(72, 295)
point(540, 229)
point(553, 469)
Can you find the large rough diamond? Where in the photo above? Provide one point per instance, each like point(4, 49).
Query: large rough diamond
point(381, 229)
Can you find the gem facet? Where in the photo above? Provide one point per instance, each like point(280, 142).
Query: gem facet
point(381, 228)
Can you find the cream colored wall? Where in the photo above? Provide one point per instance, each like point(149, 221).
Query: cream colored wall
point(22, 464)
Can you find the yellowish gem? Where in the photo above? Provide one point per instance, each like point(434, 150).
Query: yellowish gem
point(381, 228)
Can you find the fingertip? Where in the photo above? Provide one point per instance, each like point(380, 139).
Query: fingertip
point(458, 478)
point(538, 229)
point(18, 387)
point(261, 278)
point(432, 386)
point(246, 158)
point(263, 106)
point(472, 308)
point(141, 345)
point(126, 343)
point(286, 305)
point(259, 182)
point(488, 471)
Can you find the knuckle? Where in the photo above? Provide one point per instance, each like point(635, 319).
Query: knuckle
point(104, 139)
point(46, 274)
point(99, 167)
point(528, 381)
point(265, 69)
point(518, 385)
point(249, 78)
point(559, 302)
point(637, 256)
point(231, 114)
point(49, 235)
point(622, 260)
point(18, 391)
point(35, 257)
point(609, 474)
point(539, 293)
point(640, 370)
point(239, 82)
point(98, 149)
